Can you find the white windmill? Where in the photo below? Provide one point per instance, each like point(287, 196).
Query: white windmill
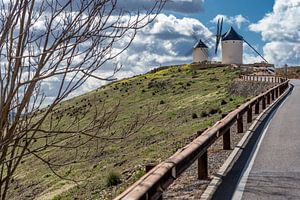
point(200, 52)
point(232, 45)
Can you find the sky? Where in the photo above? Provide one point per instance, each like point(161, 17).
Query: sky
point(271, 26)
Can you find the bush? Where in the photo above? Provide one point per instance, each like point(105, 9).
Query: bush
point(194, 116)
point(57, 198)
point(138, 174)
point(161, 102)
point(204, 114)
point(113, 178)
point(223, 102)
point(213, 111)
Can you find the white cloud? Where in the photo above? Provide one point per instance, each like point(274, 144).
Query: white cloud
point(280, 29)
point(166, 41)
point(237, 20)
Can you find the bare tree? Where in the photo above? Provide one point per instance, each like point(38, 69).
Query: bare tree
point(67, 41)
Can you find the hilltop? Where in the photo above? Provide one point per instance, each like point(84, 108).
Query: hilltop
point(182, 101)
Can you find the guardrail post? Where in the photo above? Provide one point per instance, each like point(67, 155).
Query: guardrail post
point(226, 140)
point(280, 90)
point(273, 95)
point(268, 98)
point(203, 166)
point(249, 115)
point(264, 103)
point(257, 107)
point(240, 125)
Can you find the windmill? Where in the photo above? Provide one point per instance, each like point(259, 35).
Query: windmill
point(232, 45)
point(200, 52)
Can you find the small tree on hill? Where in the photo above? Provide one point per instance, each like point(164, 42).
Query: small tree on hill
point(66, 41)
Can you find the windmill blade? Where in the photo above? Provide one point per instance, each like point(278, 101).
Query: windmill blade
point(221, 29)
point(219, 33)
point(217, 37)
point(255, 51)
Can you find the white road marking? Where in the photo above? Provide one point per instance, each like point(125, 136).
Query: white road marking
point(239, 191)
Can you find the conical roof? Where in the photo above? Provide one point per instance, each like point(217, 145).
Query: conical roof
point(231, 35)
point(200, 44)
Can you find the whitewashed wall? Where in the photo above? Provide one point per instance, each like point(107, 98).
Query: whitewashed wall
point(200, 54)
point(232, 52)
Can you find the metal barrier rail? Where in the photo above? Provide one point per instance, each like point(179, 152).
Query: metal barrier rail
point(157, 180)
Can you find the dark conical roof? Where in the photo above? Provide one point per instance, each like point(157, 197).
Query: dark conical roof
point(231, 35)
point(200, 44)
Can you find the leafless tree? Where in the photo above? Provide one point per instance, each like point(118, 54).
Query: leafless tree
point(67, 41)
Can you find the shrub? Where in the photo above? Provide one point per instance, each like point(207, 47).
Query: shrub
point(194, 116)
point(223, 102)
point(162, 102)
point(213, 111)
point(113, 178)
point(204, 114)
point(138, 174)
point(57, 197)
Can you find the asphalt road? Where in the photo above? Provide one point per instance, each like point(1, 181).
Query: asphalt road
point(269, 167)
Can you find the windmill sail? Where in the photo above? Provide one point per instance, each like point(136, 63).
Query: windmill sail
point(219, 34)
point(255, 51)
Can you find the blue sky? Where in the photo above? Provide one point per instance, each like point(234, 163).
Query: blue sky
point(252, 10)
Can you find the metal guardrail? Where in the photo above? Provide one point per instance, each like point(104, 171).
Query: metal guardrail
point(156, 181)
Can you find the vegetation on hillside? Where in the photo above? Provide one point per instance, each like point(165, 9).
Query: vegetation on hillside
point(293, 72)
point(181, 101)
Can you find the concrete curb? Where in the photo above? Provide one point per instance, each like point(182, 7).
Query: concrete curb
point(217, 178)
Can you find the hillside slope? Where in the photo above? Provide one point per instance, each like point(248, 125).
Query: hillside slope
point(181, 101)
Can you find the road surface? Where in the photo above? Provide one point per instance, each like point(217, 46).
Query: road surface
point(269, 167)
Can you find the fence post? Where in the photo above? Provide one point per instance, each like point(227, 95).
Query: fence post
point(257, 107)
point(249, 115)
point(226, 140)
point(268, 98)
point(240, 125)
point(263, 102)
point(203, 166)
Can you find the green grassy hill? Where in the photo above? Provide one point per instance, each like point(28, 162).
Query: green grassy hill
point(181, 101)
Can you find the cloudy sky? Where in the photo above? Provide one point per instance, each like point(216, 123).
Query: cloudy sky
point(270, 26)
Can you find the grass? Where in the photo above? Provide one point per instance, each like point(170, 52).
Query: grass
point(178, 94)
